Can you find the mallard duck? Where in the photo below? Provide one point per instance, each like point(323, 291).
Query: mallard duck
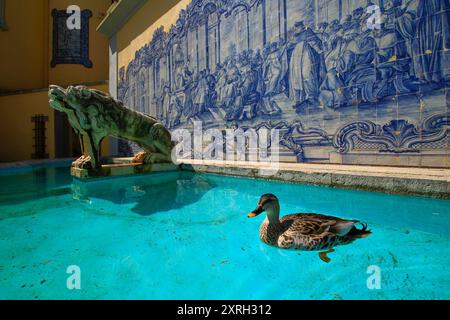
point(305, 231)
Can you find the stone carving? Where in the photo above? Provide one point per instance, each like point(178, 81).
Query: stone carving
point(95, 115)
point(240, 63)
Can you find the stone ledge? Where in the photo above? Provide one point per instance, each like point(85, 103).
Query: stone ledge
point(30, 164)
point(411, 181)
point(38, 90)
point(125, 169)
point(118, 13)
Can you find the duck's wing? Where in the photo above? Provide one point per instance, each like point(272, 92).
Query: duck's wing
point(308, 231)
point(306, 223)
point(315, 216)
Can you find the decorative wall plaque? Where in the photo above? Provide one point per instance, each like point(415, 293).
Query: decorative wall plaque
point(70, 46)
point(3, 25)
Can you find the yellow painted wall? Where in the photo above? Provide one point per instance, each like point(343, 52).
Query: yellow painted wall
point(26, 47)
point(22, 46)
point(25, 55)
point(66, 74)
point(16, 128)
point(138, 31)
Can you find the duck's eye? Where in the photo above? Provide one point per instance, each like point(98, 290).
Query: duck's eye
point(265, 202)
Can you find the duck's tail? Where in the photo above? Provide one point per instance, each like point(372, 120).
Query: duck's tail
point(359, 233)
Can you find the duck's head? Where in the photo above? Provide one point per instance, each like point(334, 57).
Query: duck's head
point(267, 203)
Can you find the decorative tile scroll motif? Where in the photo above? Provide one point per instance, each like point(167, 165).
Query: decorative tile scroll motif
point(398, 136)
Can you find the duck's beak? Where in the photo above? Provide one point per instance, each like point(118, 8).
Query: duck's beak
point(255, 212)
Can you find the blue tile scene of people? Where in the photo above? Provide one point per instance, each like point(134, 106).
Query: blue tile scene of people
point(344, 80)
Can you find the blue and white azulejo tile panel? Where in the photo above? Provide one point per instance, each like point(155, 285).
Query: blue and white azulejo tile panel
point(346, 81)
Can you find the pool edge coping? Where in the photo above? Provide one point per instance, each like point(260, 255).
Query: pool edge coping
point(7, 168)
point(374, 181)
point(427, 182)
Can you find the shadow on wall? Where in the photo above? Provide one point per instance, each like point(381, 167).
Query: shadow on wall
point(143, 19)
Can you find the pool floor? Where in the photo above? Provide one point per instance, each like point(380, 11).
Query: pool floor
point(186, 236)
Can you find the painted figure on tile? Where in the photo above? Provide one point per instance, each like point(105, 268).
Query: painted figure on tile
point(211, 98)
point(336, 45)
point(248, 84)
point(178, 77)
point(356, 67)
point(307, 68)
point(221, 80)
point(186, 85)
point(433, 34)
point(179, 63)
point(392, 61)
point(175, 112)
point(398, 16)
point(200, 93)
point(231, 88)
point(357, 19)
point(324, 35)
point(275, 69)
point(350, 33)
point(165, 102)
point(258, 64)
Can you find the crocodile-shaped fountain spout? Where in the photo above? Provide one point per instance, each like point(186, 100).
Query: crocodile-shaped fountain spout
point(95, 115)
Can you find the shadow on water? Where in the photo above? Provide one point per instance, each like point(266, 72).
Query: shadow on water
point(152, 193)
point(17, 188)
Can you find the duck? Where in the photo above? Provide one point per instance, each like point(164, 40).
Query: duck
point(305, 231)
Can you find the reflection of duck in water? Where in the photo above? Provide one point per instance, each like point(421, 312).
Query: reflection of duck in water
point(305, 231)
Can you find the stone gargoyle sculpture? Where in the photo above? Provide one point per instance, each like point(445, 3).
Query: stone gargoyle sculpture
point(95, 115)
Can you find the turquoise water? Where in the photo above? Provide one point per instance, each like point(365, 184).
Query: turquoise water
point(186, 236)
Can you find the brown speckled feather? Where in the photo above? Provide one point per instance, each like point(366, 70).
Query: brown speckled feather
point(306, 231)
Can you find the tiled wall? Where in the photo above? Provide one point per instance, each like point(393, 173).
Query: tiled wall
point(341, 85)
